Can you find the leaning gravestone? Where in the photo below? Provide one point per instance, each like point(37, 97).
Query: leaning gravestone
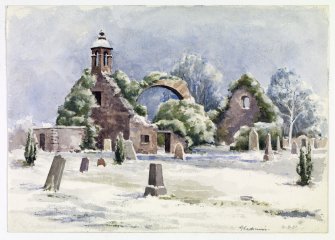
point(278, 148)
point(129, 150)
point(55, 174)
point(253, 140)
point(84, 165)
point(179, 152)
point(268, 155)
point(294, 148)
point(101, 161)
point(155, 183)
point(107, 145)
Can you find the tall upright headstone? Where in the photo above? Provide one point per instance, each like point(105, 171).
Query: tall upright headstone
point(179, 152)
point(84, 165)
point(107, 145)
point(129, 150)
point(253, 140)
point(155, 183)
point(54, 178)
point(278, 148)
point(294, 148)
point(286, 144)
point(268, 155)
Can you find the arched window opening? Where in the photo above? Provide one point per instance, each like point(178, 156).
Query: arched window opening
point(105, 58)
point(245, 102)
point(96, 58)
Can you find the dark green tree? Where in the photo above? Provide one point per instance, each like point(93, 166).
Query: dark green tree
point(305, 166)
point(30, 150)
point(119, 149)
point(77, 107)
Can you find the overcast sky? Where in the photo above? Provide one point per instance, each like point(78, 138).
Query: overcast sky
point(48, 48)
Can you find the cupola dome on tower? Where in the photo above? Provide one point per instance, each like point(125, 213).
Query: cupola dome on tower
point(101, 41)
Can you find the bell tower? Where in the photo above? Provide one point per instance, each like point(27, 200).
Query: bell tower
point(101, 55)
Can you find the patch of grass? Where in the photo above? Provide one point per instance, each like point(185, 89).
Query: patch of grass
point(294, 214)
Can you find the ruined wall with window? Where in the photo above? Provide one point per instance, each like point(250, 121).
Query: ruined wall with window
point(59, 139)
point(112, 113)
point(143, 135)
point(242, 111)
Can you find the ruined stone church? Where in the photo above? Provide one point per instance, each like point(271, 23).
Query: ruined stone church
point(114, 114)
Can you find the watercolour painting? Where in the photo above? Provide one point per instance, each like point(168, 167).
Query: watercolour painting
point(209, 119)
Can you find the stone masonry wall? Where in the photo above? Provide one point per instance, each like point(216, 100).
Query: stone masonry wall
point(113, 114)
point(136, 130)
point(236, 116)
point(60, 138)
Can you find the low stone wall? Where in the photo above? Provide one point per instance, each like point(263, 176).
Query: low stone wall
point(60, 138)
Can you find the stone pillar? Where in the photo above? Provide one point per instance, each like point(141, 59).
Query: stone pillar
point(268, 155)
point(129, 150)
point(84, 165)
point(155, 183)
point(179, 152)
point(294, 149)
point(54, 178)
point(278, 144)
point(107, 145)
point(253, 140)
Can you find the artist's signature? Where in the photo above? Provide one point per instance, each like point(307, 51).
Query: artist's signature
point(246, 228)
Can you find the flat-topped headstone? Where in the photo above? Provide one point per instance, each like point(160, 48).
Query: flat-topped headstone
point(107, 145)
point(101, 162)
point(179, 152)
point(278, 148)
point(129, 150)
point(268, 154)
point(294, 148)
point(155, 182)
point(54, 178)
point(253, 140)
point(84, 165)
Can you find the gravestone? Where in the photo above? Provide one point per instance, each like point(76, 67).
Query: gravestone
point(129, 151)
point(285, 143)
point(155, 183)
point(54, 178)
point(101, 162)
point(312, 143)
point(179, 152)
point(278, 148)
point(294, 148)
point(108, 145)
point(253, 140)
point(268, 155)
point(84, 165)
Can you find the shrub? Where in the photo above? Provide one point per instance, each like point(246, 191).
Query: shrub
point(76, 109)
point(30, 150)
point(187, 119)
point(242, 136)
point(305, 166)
point(119, 149)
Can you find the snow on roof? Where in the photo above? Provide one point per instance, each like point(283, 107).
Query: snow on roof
point(101, 43)
point(142, 120)
point(112, 82)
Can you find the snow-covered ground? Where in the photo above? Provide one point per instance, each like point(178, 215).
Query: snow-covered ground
point(204, 195)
